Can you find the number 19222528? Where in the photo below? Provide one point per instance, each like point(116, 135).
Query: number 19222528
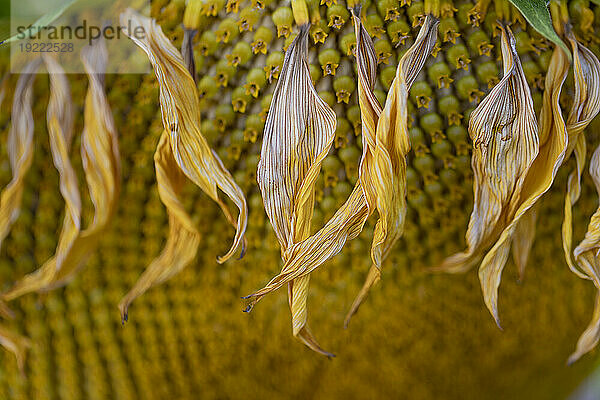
point(46, 47)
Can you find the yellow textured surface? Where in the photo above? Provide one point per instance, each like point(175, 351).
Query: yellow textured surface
point(417, 336)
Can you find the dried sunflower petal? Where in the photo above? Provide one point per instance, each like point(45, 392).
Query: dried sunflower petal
point(16, 344)
point(298, 134)
point(504, 133)
point(10, 340)
point(521, 168)
point(303, 257)
point(383, 178)
point(181, 118)
point(586, 105)
point(587, 258)
point(539, 178)
point(20, 147)
point(60, 131)
point(101, 165)
point(183, 239)
point(551, 125)
point(523, 240)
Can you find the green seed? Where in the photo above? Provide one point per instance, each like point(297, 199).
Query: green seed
point(383, 50)
point(255, 81)
point(328, 98)
point(273, 65)
point(249, 16)
point(420, 94)
point(479, 43)
point(224, 73)
point(347, 43)
point(488, 73)
point(283, 18)
point(240, 55)
point(388, 9)
point(433, 124)
point(467, 88)
point(458, 56)
point(344, 87)
point(329, 60)
point(239, 100)
point(374, 25)
point(207, 43)
point(439, 73)
point(449, 30)
point(253, 129)
point(398, 31)
point(319, 32)
point(224, 116)
point(261, 40)
point(337, 15)
point(207, 87)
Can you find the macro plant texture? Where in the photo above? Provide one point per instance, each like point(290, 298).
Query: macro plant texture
point(340, 167)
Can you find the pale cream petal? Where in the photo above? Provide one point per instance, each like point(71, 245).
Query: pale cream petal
point(11, 341)
point(60, 130)
point(392, 145)
point(586, 105)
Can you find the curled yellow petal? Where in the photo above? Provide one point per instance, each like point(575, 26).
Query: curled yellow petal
point(588, 260)
point(392, 145)
point(10, 340)
point(16, 344)
point(305, 256)
point(181, 118)
point(183, 239)
point(298, 134)
point(513, 168)
point(20, 147)
point(504, 131)
point(101, 165)
point(551, 122)
point(586, 104)
point(539, 178)
point(60, 130)
point(190, 151)
point(385, 132)
point(590, 337)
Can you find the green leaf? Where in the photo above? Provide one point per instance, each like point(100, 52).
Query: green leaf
point(43, 21)
point(596, 2)
point(537, 14)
